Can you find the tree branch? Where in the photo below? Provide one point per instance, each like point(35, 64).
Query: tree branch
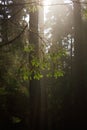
point(10, 42)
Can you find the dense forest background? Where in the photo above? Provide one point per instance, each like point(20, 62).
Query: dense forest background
point(43, 65)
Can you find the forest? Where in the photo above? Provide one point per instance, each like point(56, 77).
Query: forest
point(43, 65)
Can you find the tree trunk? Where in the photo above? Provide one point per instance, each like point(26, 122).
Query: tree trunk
point(35, 91)
point(78, 71)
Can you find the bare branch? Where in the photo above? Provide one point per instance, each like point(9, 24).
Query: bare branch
point(11, 42)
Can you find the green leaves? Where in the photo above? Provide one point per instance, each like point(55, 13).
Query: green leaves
point(38, 76)
point(58, 74)
point(16, 119)
point(29, 48)
point(49, 75)
point(38, 69)
point(49, 66)
point(35, 62)
point(85, 13)
point(25, 76)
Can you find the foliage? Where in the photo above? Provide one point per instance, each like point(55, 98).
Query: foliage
point(50, 65)
point(36, 66)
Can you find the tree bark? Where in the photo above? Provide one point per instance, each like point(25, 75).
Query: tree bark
point(78, 70)
point(34, 87)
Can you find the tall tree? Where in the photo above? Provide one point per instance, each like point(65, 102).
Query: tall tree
point(78, 71)
point(34, 87)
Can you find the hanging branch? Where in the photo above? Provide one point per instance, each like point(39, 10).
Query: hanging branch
point(11, 42)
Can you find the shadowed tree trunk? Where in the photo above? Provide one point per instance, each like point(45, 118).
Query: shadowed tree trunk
point(44, 114)
point(35, 91)
point(79, 104)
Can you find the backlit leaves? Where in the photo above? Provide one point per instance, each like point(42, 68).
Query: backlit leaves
point(51, 64)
